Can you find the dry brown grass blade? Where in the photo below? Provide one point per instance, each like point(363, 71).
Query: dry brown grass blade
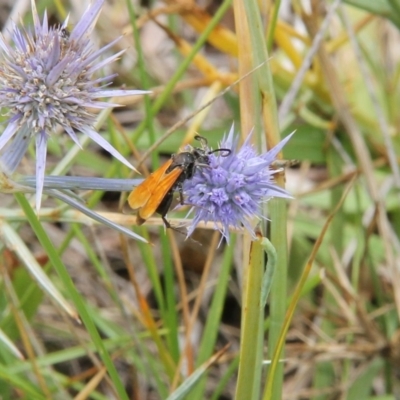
point(91, 385)
point(246, 60)
point(184, 301)
point(317, 39)
point(197, 304)
point(145, 315)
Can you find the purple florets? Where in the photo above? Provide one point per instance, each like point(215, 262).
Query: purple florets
point(46, 82)
point(230, 193)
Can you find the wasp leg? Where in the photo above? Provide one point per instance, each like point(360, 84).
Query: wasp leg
point(164, 206)
point(180, 190)
point(166, 222)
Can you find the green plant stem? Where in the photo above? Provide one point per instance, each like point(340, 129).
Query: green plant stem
point(278, 212)
point(251, 338)
point(278, 289)
point(255, 294)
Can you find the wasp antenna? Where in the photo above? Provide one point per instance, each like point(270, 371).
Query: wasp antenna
point(202, 140)
point(227, 151)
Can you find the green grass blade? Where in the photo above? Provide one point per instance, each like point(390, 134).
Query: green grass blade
point(75, 296)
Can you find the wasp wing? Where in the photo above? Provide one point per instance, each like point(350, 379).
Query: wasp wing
point(141, 194)
point(163, 187)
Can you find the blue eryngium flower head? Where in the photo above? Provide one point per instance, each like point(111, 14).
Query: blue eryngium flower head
point(232, 191)
point(46, 82)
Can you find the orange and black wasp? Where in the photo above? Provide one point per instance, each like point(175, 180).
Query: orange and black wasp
point(156, 192)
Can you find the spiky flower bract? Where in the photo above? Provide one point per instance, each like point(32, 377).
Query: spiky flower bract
point(232, 191)
point(46, 82)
